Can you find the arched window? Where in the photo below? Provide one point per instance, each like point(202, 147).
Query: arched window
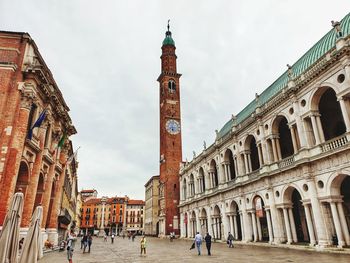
point(172, 86)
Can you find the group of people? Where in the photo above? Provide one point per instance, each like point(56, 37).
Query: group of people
point(198, 240)
point(86, 241)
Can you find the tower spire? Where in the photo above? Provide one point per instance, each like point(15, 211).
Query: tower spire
point(168, 40)
point(168, 25)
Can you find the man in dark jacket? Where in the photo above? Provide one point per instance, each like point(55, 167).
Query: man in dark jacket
point(230, 240)
point(208, 243)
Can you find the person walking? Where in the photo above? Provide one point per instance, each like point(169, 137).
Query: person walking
point(84, 241)
point(89, 240)
point(208, 243)
point(143, 245)
point(133, 237)
point(198, 240)
point(230, 240)
point(70, 245)
point(112, 238)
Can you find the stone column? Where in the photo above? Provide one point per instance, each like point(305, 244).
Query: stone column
point(198, 224)
point(300, 127)
point(246, 222)
point(286, 221)
point(343, 223)
point(249, 157)
point(242, 226)
point(246, 163)
point(228, 173)
point(294, 140)
point(210, 226)
point(278, 236)
point(259, 155)
point(235, 226)
point(317, 215)
point(337, 225)
point(279, 153)
point(315, 128)
point(344, 113)
point(14, 151)
point(236, 166)
point(274, 150)
point(268, 218)
point(259, 228)
point(225, 220)
point(292, 225)
point(182, 227)
point(319, 126)
point(232, 230)
point(309, 225)
point(255, 229)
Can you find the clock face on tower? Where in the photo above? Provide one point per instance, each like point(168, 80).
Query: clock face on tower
point(172, 126)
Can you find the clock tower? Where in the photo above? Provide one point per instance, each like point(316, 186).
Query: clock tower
point(170, 139)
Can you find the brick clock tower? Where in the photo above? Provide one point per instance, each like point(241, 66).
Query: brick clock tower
point(170, 139)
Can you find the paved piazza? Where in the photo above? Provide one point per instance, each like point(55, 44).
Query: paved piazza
point(161, 250)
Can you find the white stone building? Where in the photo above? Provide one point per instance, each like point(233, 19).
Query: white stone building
point(279, 171)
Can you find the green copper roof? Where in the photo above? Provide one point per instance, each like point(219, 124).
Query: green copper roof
point(168, 40)
point(325, 44)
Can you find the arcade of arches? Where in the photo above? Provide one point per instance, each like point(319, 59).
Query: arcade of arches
point(285, 179)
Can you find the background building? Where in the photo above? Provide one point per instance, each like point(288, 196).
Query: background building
point(135, 216)
point(36, 126)
point(103, 215)
point(279, 171)
point(151, 206)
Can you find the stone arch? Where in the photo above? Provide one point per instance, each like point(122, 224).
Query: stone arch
point(284, 142)
point(228, 158)
point(216, 223)
point(339, 208)
point(235, 220)
point(325, 102)
point(335, 180)
point(193, 222)
point(214, 173)
point(23, 177)
point(258, 204)
point(294, 216)
point(250, 145)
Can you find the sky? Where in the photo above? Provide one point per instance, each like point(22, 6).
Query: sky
point(105, 58)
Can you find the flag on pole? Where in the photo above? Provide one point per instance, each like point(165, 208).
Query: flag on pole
point(37, 123)
point(62, 140)
point(73, 156)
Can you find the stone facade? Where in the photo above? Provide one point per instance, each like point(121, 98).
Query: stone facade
point(281, 173)
point(151, 206)
point(135, 216)
point(37, 165)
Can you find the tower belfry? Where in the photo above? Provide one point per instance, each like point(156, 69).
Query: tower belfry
point(170, 138)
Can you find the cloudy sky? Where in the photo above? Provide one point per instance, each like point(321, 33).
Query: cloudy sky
point(104, 56)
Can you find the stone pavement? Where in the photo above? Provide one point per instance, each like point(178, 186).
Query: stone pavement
point(162, 250)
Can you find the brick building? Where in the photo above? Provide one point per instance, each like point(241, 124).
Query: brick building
point(106, 214)
point(38, 164)
point(151, 225)
point(170, 139)
point(279, 171)
point(135, 216)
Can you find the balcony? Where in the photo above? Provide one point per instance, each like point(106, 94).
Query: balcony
point(286, 162)
point(334, 143)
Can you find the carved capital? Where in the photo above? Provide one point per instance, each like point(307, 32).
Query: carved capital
point(28, 95)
